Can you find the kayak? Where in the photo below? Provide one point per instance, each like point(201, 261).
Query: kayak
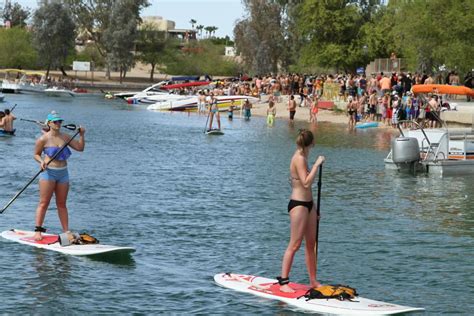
point(367, 125)
point(215, 132)
point(51, 242)
point(269, 288)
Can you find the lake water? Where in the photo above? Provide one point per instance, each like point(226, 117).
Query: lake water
point(196, 205)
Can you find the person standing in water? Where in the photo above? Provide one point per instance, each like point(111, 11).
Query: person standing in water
point(230, 112)
point(7, 123)
point(247, 109)
point(303, 214)
point(271, 113)
point(214, 111)
point(55, 176)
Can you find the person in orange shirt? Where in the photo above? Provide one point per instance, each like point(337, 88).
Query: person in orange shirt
point(385, 84)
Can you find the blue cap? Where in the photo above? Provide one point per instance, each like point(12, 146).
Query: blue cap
point(54, 117)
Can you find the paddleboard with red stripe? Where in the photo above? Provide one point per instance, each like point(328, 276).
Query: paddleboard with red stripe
point(51, 242)
point(268, 288)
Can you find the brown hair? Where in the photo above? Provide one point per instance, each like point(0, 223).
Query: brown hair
point(305, 138)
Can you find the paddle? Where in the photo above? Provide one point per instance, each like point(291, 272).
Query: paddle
point(13, 107)
point(318, 214)
point(41, 170)
point(71, 127)
point(207, 120)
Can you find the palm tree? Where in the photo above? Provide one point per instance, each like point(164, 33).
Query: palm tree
point(208, 30)
point(199, 28)
point(213, 29)
point(192, 21)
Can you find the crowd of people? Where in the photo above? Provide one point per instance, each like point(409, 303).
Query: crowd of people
point(380, 97)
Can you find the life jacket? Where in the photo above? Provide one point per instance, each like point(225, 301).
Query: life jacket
point(337, 291)
point(69, 238)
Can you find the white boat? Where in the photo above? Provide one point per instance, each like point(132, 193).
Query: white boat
point(439, 151)
point(161, 97)
point(9, 86)
point(185, 103)
point(189, 103)
point(151, 90)
point(2, 97)
point(59, 92)
point(29, 83)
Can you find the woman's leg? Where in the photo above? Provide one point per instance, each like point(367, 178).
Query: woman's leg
point(46, 189)
point(310, 244)
point(210, 120)
point(298, 222)
point(218, 116)
point(61, 192)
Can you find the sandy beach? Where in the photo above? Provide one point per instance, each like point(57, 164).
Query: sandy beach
point(302, 113)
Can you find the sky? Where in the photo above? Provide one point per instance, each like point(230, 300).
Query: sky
point(219, 13)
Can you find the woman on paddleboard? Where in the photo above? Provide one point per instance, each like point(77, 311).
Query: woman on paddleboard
point(302, 211)
point(55, 177)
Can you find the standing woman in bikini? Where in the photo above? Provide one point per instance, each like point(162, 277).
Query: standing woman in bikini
point(303, 214)
point(55, 176)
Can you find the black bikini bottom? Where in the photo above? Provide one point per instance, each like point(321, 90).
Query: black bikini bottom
point(294, 203)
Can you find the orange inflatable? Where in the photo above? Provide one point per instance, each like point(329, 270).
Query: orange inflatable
point(442, 89)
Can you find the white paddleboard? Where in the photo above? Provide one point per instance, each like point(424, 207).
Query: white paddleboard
point(215, 132)
point(269, 288)
point(50, 242)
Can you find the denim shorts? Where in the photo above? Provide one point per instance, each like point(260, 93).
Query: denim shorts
point(58, 175)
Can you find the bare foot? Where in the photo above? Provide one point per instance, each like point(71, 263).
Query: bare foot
point(38, 236)
point(286, 288)
point(315, 284)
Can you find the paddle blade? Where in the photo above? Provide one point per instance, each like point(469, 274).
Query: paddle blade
point(71, 127)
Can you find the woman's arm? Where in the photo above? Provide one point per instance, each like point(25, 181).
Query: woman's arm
point(78, 144)
point(306, 178)
point(39, 146)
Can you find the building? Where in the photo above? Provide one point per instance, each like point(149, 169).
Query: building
point(170, 28)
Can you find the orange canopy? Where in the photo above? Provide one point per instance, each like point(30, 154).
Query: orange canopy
point(442, 89)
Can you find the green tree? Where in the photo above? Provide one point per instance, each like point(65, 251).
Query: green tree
point(120, 36)
point(434, 33)
point(208, 30)
point(54, 33)
point(17, 49)
point(331, 30)
point(151, 45)
point(198, 58)
point(94, 17)
point(259, 37)
point(200, 27)
point(16, 14)
point(192, 22)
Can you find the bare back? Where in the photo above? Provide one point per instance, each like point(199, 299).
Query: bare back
point(299, 172)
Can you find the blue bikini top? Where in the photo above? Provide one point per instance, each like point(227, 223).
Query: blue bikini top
point(51, 151)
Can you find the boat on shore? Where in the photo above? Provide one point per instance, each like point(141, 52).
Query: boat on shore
point(190, 103)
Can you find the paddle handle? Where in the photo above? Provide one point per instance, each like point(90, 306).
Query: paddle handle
point(38, 173)
point(318, 213)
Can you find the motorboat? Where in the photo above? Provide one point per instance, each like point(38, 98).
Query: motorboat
point(439, 151)
point(29, 82)
point(189, 103)
point(10, 85)
point(60, 92)
point(151, 90)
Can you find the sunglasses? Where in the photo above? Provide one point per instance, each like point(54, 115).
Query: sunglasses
point(58, 122)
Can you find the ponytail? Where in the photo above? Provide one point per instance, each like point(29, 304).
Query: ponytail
point(305, 138)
